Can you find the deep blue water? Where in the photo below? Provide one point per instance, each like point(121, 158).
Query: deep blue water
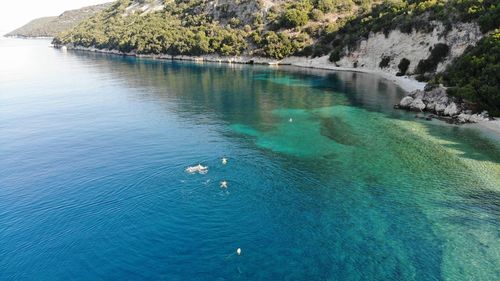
point(93, 152)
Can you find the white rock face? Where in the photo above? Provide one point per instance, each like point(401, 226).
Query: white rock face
point(241, 10)
point(434, 100)
point(413, 47)
point(472, 118)
point(417, 104)
point(145, 8)
point(430, 106)
point(451, 109)
point(440, 107)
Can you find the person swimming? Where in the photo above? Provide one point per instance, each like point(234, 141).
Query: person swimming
point(197, 169)
point(223, 184)
point(224, 161)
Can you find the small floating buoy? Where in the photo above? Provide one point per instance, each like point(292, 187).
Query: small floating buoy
point(223, 184)
point(238, 251)
point(224, 161)
point(290, 120)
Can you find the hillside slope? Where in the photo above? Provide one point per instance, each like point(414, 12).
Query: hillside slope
point(35, 28)
point(404, 37)
point(51, 26)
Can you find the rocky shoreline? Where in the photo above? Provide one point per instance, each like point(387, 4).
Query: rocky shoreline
point(434, 101)
point(441, 106)
point(406, 83)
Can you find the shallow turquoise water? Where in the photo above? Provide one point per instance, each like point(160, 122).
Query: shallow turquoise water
point(92, 184)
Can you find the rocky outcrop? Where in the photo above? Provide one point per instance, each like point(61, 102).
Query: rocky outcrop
point(414, 47)
point(436, 101)
point(473, 118)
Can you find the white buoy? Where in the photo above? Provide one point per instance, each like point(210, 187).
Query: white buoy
point(224, 161)
point(223, 184)
point(238, 251)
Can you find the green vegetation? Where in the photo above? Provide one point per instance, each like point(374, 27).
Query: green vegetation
point(294, 17)
point(296, 27)
point(475, 75)
point(280, 45)
point(156, 33)
point(192, 27)
point(188, 27)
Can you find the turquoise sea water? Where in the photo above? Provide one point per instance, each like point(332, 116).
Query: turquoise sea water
point(93, 150)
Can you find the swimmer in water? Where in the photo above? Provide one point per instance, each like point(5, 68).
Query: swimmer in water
point(238, 251)
point(290, 120)
point(197, 169)
point(224, 161)
point(223, 184)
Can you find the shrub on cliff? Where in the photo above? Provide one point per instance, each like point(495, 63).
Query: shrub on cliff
point(336, 54)
point(438, 54)
point(276, 45)
point(316, 15)
point(326, 6)
point(281, 45)
point(403, 66)
point(296, 15)
point(384, 62)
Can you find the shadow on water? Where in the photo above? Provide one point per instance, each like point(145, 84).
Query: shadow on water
point(475, 208)
point(468, 141)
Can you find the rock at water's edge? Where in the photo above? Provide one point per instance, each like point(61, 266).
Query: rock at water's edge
point(405, 102)
point(417, 104)
point(437, 101)
point(452, 110)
